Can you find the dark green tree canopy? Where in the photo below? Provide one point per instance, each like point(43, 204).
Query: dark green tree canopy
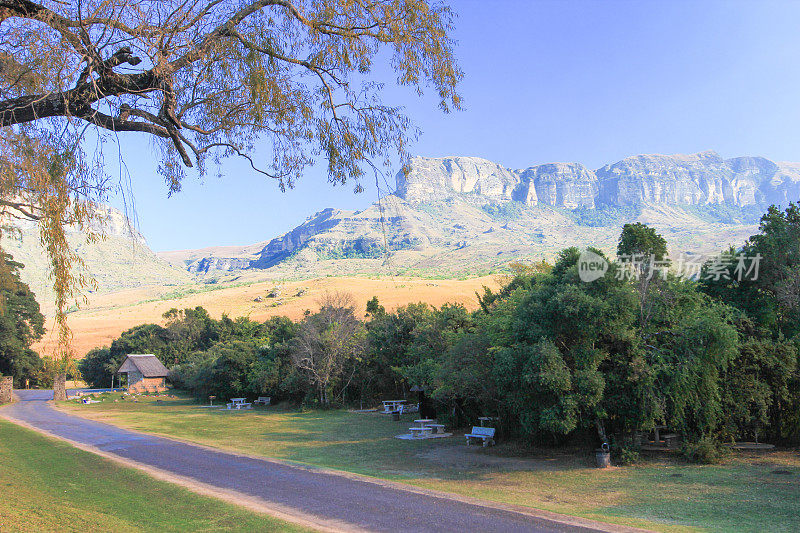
point(769, 293)
point(21, 323)
point(641, 239)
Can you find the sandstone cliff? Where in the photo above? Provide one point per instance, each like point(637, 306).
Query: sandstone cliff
point(699, 179)
point(463, 213)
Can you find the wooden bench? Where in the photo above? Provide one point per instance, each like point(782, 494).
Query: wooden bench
point(262, 400)
point(485, 434)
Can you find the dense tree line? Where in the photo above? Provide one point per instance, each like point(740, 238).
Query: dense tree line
point(21, 324)
point(555, 358)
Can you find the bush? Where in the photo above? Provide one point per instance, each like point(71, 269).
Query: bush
point(625, 455)
point(705, 451)
point(98, 365)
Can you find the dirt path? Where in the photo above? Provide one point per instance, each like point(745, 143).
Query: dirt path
point(313, 497)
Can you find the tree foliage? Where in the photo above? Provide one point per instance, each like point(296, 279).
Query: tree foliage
point(767, 399)
point(21, 324)
point(640, 239)
point(328, 344)
point(203, 80)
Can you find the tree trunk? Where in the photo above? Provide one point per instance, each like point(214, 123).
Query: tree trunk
point(60, 387)
point(601, 430)
point(6, 385)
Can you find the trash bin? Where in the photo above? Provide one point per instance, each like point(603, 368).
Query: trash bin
point(603, 456)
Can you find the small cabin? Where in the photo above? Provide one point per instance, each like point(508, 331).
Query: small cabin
point(145, 373)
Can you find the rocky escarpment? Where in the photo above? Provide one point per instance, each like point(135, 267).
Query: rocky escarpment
point(467, 211)
point(329, 234)
point(699, 179)
point(437, 179)
point(281, 247)
point(569, 185)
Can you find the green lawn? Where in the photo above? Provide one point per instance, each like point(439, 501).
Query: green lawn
point(743, 494)
point(48, 485)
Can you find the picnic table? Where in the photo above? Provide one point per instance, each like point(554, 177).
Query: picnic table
point(670, 439)
point(419, 432)
point(425, 427)
point(239, 403)
point(422, 429)
point(486, 420)
point(391, 406)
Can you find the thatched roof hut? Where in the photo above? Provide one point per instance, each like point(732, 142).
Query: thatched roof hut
point(145, 373)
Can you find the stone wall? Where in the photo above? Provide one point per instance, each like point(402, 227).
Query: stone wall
point(134, 377)
point(6, 385)
point(148, 385)
point(60, 387)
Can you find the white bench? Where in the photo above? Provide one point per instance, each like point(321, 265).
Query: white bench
point(485, 434)
point(400, 409)
point(437, 428)
point(262, 400)
point(417, 433)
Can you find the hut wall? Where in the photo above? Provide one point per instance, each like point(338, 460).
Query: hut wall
point(147, 384)
point(134, 377)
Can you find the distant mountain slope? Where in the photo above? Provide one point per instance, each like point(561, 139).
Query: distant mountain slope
point(466, 215)
point(121, 261)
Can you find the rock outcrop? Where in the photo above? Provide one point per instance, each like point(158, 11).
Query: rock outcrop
point(699, 179)
point(436, 179)
point(569, 185)
point(280, 247)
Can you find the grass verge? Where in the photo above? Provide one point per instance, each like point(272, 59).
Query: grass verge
point(746, 493)
point(48, 485)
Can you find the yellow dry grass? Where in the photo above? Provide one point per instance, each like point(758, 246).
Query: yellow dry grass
point(107, 315)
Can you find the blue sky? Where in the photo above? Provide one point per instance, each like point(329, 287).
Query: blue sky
point(591, 81)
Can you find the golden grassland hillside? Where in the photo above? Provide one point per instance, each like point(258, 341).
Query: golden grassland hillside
point(107, 315)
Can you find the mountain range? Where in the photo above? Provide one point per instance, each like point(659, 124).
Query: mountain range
point(465, 215)
point(459, 216)
point(699, 179)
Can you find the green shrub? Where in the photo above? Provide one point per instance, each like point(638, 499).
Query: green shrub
point(705, 451)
